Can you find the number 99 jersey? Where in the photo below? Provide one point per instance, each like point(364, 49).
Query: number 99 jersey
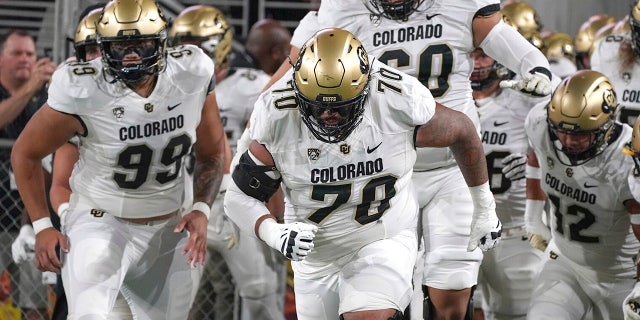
point(359, 190)
point(433, 46)
point(132, 150)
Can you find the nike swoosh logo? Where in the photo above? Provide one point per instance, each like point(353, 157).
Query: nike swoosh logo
point(429, 17)
point(374, 148)
point(174, 106)
point(497, 124)
point(589, 185)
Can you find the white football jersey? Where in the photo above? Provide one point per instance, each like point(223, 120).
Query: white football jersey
point(502, 119)
point(605, 59)
point(433, 46)
point(358, 190)
point(236, 94)
point(589, 222)
point(132, 154)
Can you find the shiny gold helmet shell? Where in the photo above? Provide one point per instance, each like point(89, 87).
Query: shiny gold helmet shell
point(207, 27)
point(633, 147)
point(523, 17)
point(125, 21)
point(584, 103)
point(560, 45)
point(586, 36)
point(331, 74)
point(86, 33)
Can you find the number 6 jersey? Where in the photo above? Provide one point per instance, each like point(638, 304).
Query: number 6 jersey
point(133, 148)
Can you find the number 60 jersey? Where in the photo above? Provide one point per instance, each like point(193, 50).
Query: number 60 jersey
point(132, 152)
point(433, 45)
point(358, 190)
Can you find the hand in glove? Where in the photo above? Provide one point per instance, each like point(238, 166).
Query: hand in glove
point(514, 166)
point(294, 240)
point(536, 83)
point(631, 304)
point(486, 228)
point(23, 248)
point(539, 233)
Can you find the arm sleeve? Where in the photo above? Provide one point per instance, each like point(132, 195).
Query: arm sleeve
point(507, 46)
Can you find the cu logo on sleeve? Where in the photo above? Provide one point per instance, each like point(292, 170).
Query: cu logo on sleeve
point(98, 213)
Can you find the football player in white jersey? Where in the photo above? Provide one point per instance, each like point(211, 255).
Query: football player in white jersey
point(256, 268)
point(617, 57)
point(339, 132)
point(578, 165)
point(507, 273)
point(137, 112)
point(431, 40)
point(631, 304)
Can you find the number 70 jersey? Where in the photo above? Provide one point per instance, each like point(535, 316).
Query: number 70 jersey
point(132, 155)
point(358, 190)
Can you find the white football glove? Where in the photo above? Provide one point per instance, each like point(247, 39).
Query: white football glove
point(538, 232)
point(23, 248)
point(514, 166)
point(486, 228)
point(631, 304)
point(294, 240)
point(536, 83)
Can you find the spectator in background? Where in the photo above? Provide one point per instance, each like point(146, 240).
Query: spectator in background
point(22, 91)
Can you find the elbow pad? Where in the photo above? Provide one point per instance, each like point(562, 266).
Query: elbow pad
point(255, 179)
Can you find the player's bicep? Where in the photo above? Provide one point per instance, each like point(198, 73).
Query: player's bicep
point(46, 131)
point(444, 128)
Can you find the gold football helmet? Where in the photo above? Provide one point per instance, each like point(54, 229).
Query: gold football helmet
point(634, 22)
point(394, 10)
point(586, 37)
point(559, 44)
point(331, 76)
point(522, 17)
point(633, 147)
point(206, 27)
point(86, 35)
point(132, 27)
point(583, 103)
